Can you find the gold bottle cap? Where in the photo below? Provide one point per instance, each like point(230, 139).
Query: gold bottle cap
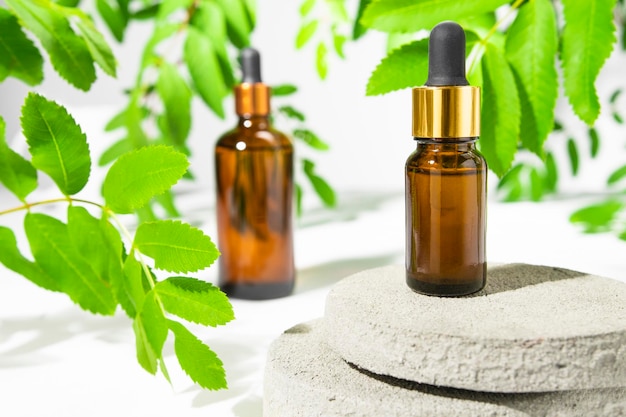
point(446, 111)
point(252, 99)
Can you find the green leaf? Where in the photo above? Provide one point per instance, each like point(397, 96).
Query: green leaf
point(98, 47)
point(586, 42)
point(292, 113)
point(197, 359)
point(175, 246)
point(615, 95)
point(305, 33)
point(311, 139)
point(114, 18)
point(337, 9)
point(167, 7)
point(68, 52)
point(18, 55)
point(359, 29)
point(57, 144)
point(617, 175)
point(11, 257)
point(306, 7)
point(52, 248)
point(210, 20)
point(572, 152)
point(321, 187)
point(195, 301)
point(96, 240)
point(321, 63)
point(114, 151)
point(531, 46)
point(598, 217)
point(154, 323)
point(338, 42)
point(552, 173)
point(237, 22)
point(500, 114)
point(128, 287)
point(594, 142)
point(16, 173)
point(618, 119)
point(204, 69)
point(284, 90)
point(536, 185)
point(512, 175)
point(411, 15)
point(404, 67)
point(176, 97)
point(146, 356)
point(147, 13)
point(139, 175)
point(298, 200)
point(250, 6)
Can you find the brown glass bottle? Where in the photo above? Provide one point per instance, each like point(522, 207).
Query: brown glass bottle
point(446, 177)
point(254, 172)
point(445, 222)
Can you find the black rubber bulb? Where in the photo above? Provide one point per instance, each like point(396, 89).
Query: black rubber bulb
point(251, 66)
point(446, 55)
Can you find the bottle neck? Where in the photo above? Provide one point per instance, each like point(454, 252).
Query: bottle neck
point(256, 122)
point(467, 143)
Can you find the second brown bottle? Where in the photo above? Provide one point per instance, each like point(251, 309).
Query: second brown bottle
point(254, 174)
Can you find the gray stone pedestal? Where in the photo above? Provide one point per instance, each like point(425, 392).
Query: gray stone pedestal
point(538, 341)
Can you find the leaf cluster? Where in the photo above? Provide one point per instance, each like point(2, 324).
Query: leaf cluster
point(306, 136)
point(326, 24)
point(514, 65)
point(95, 260)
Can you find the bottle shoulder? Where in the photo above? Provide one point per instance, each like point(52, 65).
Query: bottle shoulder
point(452, 158)
point(254, 138)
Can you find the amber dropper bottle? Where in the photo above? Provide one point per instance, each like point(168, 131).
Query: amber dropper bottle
point(446, 177)
point(254, 172)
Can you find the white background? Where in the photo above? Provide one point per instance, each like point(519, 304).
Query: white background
point(58, 360)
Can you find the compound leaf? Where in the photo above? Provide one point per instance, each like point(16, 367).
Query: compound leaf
point(139, 175)
point(195, 301)
point(175, 246)
point(57, 144)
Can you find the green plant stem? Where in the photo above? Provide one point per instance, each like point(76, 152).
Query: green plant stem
point(483, 42)
point(123, 230)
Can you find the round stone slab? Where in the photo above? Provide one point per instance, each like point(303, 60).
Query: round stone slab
point(532, 329)
point(304, 378)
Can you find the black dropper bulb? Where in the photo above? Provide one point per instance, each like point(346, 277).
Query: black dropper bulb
point(446, 55)
point(251, 66)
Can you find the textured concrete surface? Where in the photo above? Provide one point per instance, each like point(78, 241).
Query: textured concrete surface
point(303, 377)
point(532, 329)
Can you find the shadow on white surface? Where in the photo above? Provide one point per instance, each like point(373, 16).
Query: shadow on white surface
point(329, 273)
point(25, 340)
